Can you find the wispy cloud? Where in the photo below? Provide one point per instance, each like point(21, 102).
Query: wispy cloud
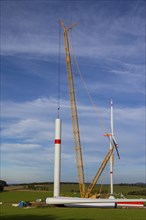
point(32, 132)
point(17, 147)
point(110, 37)
point(109, 48)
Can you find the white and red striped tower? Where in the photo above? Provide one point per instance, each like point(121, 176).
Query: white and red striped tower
point(111, 158)
point(57, 157)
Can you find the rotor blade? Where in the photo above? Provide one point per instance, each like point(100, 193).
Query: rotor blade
point(113, 141)
point(116, 146)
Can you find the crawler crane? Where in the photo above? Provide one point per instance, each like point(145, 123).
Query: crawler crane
point(75, 125)
point(74, 114)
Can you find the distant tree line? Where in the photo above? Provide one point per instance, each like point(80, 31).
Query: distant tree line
point(36, 187)
point(75, 183)
point(132, 184)
point(138, 193)
point(34, 183)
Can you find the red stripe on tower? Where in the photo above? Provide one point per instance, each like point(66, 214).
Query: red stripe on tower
point(57, 141)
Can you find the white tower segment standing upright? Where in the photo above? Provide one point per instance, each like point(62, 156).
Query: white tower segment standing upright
point(57, 158)
point(111, 158)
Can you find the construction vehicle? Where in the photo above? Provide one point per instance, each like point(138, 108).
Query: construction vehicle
point(75, 125)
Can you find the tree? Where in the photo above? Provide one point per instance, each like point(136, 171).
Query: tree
point(3, 183)
point(1, 187)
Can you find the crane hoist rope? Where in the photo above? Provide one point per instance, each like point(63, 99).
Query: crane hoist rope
point(59, 72)
point(86, 87)
point(88, 94)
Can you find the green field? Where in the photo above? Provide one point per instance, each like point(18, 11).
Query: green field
point(56, 213)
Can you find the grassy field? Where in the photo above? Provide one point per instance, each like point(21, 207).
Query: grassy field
point(72, 214)
point(55, 213)
point(72, 189)
point(68, 189)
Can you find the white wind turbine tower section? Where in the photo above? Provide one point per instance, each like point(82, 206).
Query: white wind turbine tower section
point(57, 157)
point(111, 158)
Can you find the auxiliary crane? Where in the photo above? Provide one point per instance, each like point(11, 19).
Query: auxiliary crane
point(75, 125)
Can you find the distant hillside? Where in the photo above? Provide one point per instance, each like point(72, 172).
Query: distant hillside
point(140, 184)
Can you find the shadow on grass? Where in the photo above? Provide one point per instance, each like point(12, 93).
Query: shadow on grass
point(35, 217)
point(31, 217)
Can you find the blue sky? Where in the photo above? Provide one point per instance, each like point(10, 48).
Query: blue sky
point(109, 45)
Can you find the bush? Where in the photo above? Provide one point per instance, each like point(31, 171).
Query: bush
point(3, 183)
point(1, 187)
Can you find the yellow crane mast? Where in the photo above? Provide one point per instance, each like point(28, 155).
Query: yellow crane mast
point(74, 114)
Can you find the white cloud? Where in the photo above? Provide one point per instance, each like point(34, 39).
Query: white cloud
point(28, 136)
point(28, 129)
point(8, 147)
point(108, 39)
point(112, 38)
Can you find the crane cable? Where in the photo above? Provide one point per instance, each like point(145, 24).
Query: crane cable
point(59, 57)
point(89, 96)
point(85, 86)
